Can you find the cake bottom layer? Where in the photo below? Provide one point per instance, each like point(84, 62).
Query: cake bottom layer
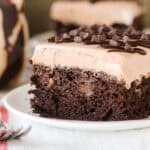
point(73, 93)
point(61, 28)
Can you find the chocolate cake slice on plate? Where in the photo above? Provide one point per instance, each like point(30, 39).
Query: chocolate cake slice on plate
point(69, 14)
point(93, 73)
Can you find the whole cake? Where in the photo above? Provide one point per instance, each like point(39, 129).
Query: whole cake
point(13, 38)
point(69, 14)
point(93, 73)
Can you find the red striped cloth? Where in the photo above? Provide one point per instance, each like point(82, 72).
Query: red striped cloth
point(4, 117)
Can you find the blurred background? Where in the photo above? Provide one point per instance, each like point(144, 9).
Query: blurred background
point(38, 14)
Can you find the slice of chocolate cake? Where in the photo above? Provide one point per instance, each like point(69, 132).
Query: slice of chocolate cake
point(13, 38)
point(71, 14)
point(95, 73)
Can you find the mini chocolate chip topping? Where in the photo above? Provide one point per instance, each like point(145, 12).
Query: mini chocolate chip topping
point(114, 39)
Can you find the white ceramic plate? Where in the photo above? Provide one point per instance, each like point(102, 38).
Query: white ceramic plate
point(17, 103)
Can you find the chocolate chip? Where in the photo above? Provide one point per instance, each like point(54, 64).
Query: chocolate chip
point(51, 39)
point(102, 37)
point(135, 33)
point(73, 32)
point(58, 39)
point(100, 30)
point(66, 36)
point(127, 47)
point(144, 37)
point(123, 39)
point(86, 36)
point(77, 39)
point(95, 39)
point(112, 33)
point(113, 43)
point(116, 37)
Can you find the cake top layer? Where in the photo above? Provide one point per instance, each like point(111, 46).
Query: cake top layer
point(87, 13)
point(124, 39)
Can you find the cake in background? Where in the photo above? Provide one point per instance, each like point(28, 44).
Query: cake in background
point(93, 73)
point(69, 14)
point(13, 39)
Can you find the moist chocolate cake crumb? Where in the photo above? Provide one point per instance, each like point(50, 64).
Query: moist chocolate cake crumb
point(71, 93)
point(61, 28)
point(115, 39)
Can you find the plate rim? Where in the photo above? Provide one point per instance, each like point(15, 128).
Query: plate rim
point(75, 124)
